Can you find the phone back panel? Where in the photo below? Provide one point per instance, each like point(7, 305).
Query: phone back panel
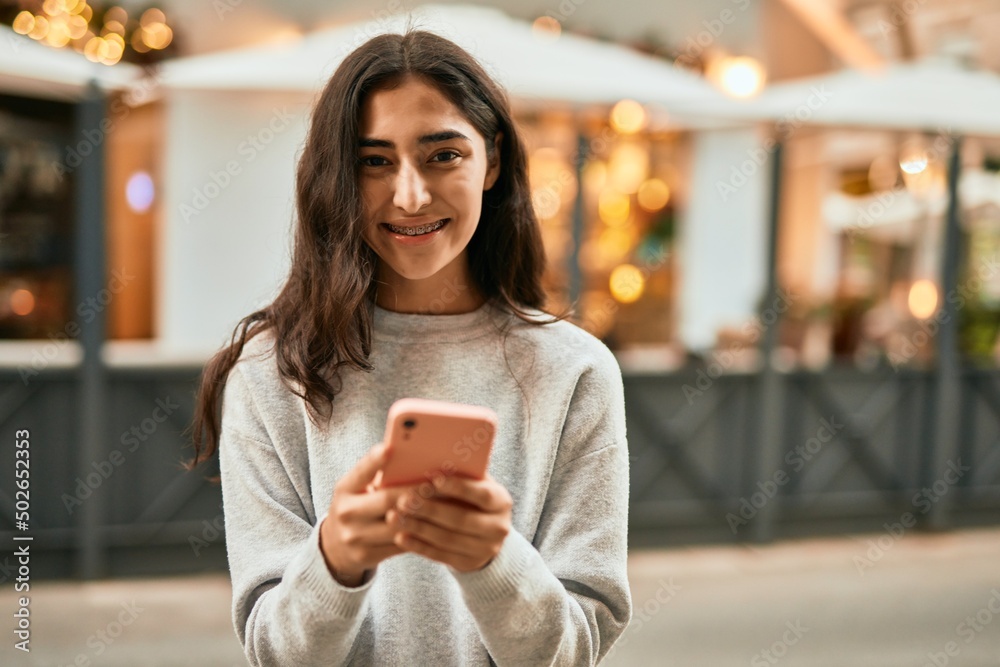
point(427, 436)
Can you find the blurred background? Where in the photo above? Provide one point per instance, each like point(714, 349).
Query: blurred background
point(783, 216)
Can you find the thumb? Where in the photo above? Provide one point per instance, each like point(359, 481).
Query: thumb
point(357, 478)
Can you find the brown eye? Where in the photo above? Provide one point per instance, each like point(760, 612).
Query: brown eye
point(452, 153)
point(365, 160)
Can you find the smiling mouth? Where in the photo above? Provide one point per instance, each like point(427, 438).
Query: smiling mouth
point(418, 230)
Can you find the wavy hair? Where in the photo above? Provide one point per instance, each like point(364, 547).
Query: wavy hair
point(322, 318)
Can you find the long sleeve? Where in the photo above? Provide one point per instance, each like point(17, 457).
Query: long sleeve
point(287, 608)
point(563, 599)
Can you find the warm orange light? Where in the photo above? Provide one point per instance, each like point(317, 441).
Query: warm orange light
point(117, 14)
point(741, 76)
point(628, 166)
point(546, 28)
point(923, 299)
point(627, 117)
point(626, 283)
point(24, 23)
point(151, 16)
point(614, 244)
point(613, 207)
point(58, 35)
point(22, 302)
point(113, 27)
point(53, 7)
point(40, 29)
point(115, 49)
point(77, 26)
point(96, 49)
point(157, 35)
point(653, 194)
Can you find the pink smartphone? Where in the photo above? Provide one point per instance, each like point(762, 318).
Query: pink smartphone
point(426, 437)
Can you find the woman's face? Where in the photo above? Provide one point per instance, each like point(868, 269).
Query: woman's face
point(421, 162)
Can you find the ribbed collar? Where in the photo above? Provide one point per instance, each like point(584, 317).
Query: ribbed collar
point(417, 327)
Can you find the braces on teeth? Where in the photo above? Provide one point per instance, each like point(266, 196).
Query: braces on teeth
point(416, 231)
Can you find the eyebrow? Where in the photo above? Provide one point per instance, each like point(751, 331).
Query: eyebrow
point(432, 138)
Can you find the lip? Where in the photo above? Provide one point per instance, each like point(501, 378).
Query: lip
point(423, 239)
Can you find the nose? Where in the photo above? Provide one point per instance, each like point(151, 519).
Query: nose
point(411, 194)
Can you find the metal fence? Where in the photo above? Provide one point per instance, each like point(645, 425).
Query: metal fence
point(856, 451)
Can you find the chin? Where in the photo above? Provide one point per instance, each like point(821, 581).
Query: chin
point(418, 272)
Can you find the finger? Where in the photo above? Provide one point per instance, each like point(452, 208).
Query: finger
point(357, 478)
point(443, 512)
point(440, 538)
point(418, 494)
point(487, 494)
point(413, 544)
point(370, 506)
point(367, 536)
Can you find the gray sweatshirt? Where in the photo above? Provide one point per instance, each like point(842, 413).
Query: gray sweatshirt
point(557, 592)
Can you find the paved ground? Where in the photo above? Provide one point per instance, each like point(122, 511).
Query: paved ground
point(832, 602)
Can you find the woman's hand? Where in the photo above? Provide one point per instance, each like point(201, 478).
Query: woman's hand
point(462, 524)
point(354, 536)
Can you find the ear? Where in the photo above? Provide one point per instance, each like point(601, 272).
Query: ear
point(493, 171)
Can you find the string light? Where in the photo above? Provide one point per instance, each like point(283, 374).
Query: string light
point(62, 23)
point(24, 23)
point(627, 117)
point(40, 29)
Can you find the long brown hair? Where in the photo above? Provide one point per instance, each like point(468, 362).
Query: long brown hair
point(322, 318)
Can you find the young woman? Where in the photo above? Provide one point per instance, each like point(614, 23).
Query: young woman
point(416, 272)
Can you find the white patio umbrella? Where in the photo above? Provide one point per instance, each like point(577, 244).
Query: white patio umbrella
point(934, 94)
point(36, 70)
point(536, 67)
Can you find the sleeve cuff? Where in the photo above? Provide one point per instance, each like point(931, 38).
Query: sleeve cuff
point(328, 595)
point(501, 576)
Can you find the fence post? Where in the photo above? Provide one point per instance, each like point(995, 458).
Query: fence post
point(768, 446)
point(90, 279)
point(947, 402)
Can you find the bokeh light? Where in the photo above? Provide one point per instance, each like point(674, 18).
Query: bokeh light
point(613, 207)
point(626, 283)
point(740, 76)
point(140, 192)
point(628, 117)
point(22, 302)
point(653, 195)
point(628, 166)
point(923, 299)
point(546, 28)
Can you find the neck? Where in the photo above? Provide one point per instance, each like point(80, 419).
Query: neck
point(444, 293)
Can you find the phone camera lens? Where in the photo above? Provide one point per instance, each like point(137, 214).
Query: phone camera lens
point(409, 423)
